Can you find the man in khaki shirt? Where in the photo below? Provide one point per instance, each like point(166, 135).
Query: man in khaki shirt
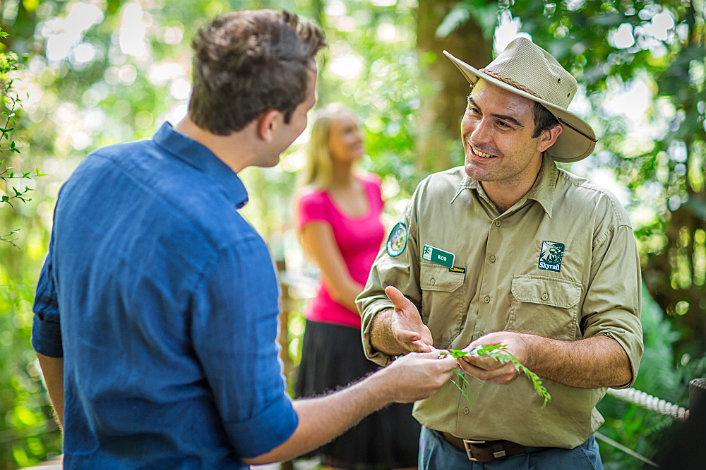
point(512, 250)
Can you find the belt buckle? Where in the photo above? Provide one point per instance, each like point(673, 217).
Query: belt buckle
point(467, 443)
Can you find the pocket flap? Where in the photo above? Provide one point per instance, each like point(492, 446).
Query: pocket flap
point(539, 290)
point(439, 278)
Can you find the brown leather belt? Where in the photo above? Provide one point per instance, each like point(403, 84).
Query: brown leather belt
point(485, 451)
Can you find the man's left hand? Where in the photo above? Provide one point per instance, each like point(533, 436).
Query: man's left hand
point(492, 370)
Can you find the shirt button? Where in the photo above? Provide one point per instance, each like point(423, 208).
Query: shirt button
point(466, 411)
point(545, 296)
point(492, 258)
point(486, 299)
point(432, 281)
point(498, 223)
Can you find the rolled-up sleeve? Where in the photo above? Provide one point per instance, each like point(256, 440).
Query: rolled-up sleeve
point(613, 299)
point(234, 331)
point(46, 327)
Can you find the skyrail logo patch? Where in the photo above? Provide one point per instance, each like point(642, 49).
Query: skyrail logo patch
point(551, 255)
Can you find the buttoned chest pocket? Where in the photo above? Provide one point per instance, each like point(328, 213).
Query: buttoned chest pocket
point(548, 307)
point(442, 302)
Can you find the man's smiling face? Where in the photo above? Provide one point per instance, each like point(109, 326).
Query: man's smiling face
point(497, 132)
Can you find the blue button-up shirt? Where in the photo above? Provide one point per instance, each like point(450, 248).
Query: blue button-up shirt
point(163, 302)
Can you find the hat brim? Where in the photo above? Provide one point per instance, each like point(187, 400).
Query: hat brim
point(577, 139)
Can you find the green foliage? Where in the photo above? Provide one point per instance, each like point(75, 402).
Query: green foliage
point(28, 432)
point(482, 12)
point(384, 94)
point(500, 353)
point(9, 192)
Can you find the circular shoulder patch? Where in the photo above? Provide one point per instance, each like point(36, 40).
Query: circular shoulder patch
point(397, 241)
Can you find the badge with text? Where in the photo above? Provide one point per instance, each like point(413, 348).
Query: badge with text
point(551, 255)
point(397, 240)
point(438, 256)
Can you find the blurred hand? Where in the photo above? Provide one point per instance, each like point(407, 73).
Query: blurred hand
point(489, 369)
point(407, 326)
point(417, 375)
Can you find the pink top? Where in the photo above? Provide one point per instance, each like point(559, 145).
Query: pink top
point(358, 239)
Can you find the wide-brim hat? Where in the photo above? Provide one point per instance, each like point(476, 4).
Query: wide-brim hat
point(528, 70)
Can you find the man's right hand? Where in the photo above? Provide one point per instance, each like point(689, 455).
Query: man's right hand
point(406, 324)
point(417, 375)
point(409, 378)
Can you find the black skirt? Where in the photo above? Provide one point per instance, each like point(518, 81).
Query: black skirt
point(332, 357)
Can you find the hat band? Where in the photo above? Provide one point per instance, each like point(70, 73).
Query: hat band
point(510, 82)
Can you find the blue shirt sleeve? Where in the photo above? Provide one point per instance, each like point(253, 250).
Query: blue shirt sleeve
point(46, 328)
point(234, 331)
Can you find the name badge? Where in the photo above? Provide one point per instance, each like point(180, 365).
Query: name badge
point(435, 255)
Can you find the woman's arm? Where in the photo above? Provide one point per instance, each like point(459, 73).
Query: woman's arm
point(319, 243)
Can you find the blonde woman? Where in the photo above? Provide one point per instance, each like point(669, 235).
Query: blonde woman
point(339, 227)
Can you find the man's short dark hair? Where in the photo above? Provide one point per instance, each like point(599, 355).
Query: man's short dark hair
point(249, 62)
point(543, 119)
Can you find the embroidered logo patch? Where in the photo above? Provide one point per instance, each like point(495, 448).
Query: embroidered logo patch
point(551, 255)
point(397, 241)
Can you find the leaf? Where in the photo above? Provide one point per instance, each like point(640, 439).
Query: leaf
point(464, 381)
point(456, 17)
point(485, 14)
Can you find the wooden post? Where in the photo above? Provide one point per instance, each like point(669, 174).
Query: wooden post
point(283, 336)
point(697, 393)
point(285, 306)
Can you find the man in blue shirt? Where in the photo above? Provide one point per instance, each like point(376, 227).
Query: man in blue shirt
point(156, 310)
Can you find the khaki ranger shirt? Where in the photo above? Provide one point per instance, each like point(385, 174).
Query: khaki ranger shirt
point(561, 263)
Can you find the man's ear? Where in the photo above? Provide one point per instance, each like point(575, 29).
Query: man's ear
point(267, 124)
point(548, 137)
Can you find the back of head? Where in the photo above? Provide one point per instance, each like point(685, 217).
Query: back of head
point(318, 169)
point(248, 62)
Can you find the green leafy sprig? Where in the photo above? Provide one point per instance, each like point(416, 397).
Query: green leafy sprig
point(11, 190)
point(500, 353)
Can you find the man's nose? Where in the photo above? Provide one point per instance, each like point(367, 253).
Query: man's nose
point(482, 132)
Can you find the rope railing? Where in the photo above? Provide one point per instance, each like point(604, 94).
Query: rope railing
point(649, 402)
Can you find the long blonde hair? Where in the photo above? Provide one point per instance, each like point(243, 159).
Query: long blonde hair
point(318, 170)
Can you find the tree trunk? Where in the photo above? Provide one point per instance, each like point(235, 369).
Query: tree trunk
point(443, 88)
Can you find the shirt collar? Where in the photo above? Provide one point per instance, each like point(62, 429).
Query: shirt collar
point(544, 187)
point(200, 157)
point(542, 190)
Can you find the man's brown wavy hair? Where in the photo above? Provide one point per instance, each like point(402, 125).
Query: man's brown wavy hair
point(248, 62)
